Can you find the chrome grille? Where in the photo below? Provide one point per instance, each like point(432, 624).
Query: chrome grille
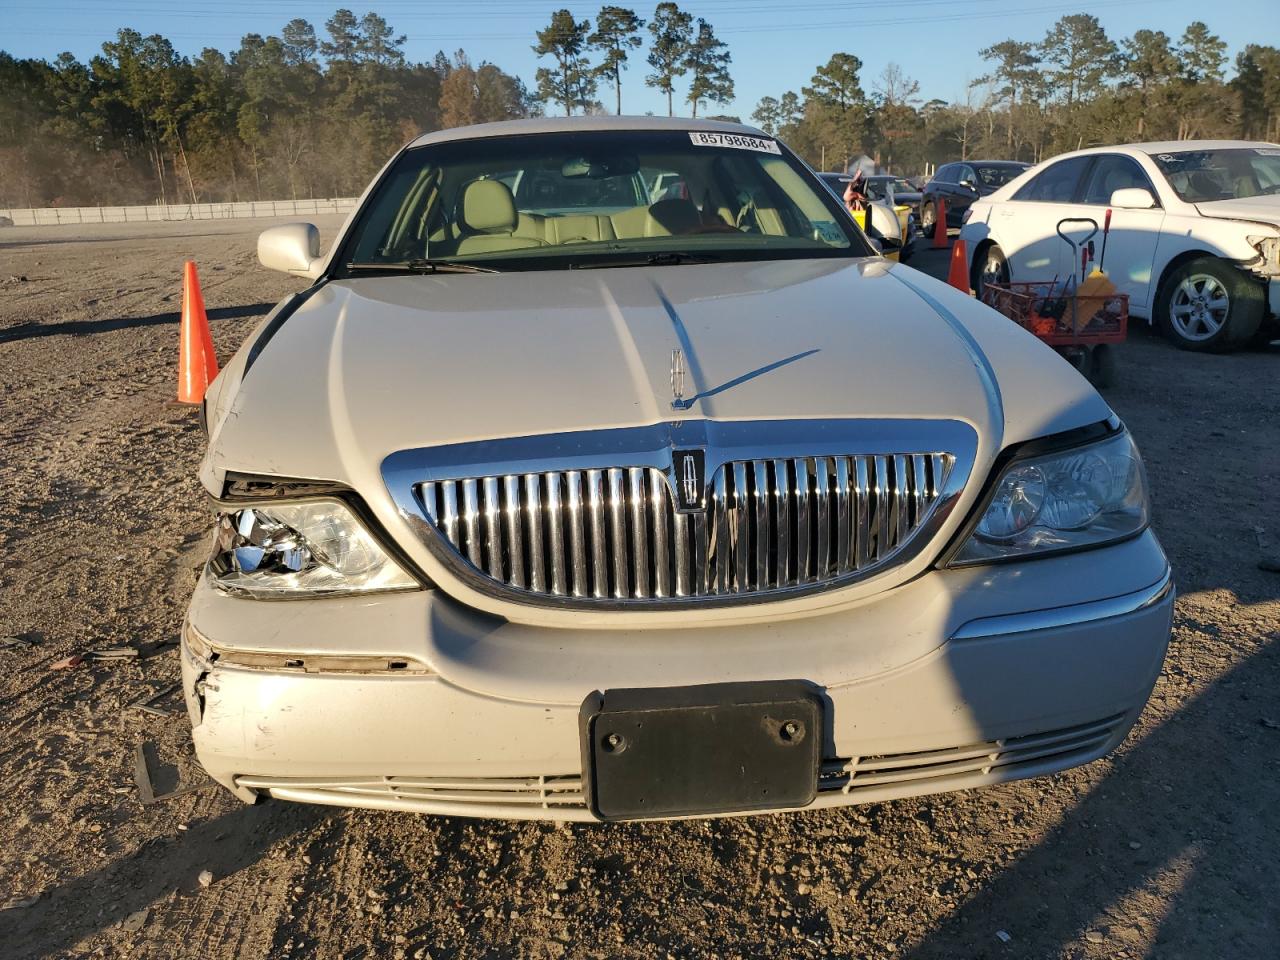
point(615, 534)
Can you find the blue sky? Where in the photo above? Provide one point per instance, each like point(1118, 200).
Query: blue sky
point(775, 44)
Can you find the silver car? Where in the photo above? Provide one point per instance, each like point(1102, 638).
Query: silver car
point(549, 500)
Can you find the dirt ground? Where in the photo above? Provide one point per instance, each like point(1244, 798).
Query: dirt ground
point(1169, 848)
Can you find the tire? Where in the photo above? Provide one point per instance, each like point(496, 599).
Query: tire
point(989, 266)
point(1209, 306)
point(928, 216)
point(1102, 366)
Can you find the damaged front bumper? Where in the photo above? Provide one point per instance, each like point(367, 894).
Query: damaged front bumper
point(957, 679)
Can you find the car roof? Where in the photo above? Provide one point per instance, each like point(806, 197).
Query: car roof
point(1179, 146)
point(511, 128)
point(991, 163)
point(1166, 146)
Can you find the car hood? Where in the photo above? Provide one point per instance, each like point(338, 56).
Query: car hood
point(371, 366)
point(1263, 209)
point(368, 367)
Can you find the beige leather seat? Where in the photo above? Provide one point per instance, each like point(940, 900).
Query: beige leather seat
point(662, 219)
point(577, 228)
point(487, 219)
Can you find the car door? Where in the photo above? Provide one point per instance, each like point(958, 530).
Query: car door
point(1131, 245)
point(960, 194)
point(1025, 226)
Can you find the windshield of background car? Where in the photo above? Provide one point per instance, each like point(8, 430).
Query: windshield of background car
point(1200, 176)
point(557, 200)
point(997, 176)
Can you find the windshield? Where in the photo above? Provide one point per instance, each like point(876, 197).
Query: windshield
point(1199, 176)
point(998, 176)
point(562, 200)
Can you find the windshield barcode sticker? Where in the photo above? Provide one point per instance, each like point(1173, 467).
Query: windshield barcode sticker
point(737, 141)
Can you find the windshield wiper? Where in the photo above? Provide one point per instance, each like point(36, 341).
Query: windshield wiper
point(667, 259)
point(421, 266)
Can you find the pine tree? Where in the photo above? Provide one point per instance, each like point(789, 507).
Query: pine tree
point(708, 61)
point(572, 82)
point(617, 30)
point(672, 32)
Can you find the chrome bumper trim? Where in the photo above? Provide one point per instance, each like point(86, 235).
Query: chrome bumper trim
point(1067, 616)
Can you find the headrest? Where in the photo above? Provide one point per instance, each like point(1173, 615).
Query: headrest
point(488, 207)
point(673, 216)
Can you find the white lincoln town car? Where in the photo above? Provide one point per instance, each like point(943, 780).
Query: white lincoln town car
point(550, 499)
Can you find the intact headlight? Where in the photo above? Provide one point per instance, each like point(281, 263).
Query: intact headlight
point(1082, 497)
point(300, 548)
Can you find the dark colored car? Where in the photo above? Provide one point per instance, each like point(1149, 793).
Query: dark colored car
point(959, 184)
point(893, 189)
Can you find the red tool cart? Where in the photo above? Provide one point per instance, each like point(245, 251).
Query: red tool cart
point(1081, 319)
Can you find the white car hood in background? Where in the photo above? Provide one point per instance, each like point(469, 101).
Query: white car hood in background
point(1263, 209)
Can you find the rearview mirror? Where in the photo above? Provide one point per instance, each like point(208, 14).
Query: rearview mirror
point(292, 248)
point(599, 168)
point(1133, 198)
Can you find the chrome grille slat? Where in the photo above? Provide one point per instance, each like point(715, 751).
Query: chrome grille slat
point(555, 534)
point(843, 526)
point(471, 520)
point(802, 497)
point(782, 500)
point(658, 503)
point(881, 501)
point(614, 533)
point(533, 518)
point(822, 494)
point(492, 528)
point(639, 532)
point(514, 530)
point(618, 528)
point(760, 497)
point(599, 536)
point(577, 533)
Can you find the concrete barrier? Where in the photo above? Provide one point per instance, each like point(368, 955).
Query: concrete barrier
point(42, 216)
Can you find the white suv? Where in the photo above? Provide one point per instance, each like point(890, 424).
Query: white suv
point(1194, 239)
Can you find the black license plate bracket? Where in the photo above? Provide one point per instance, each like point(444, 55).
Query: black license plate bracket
point(700, 750)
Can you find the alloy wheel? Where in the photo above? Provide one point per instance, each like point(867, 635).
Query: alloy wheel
point(994, 270)
point(1199, 307)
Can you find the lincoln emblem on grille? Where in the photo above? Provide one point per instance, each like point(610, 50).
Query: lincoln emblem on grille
point(690, 472)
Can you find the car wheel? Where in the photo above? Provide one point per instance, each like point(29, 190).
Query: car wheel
point(928, 217)
point(1208, 305)
point(990, 266)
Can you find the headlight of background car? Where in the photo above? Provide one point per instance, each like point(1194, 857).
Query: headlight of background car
point(1083, 497)
point(300, 548)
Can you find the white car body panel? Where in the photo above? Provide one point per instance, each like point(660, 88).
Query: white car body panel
point(1143, 243)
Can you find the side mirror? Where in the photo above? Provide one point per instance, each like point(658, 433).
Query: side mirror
point(970, 184)
point(291, 247)
point(1133, 198)
point(876, 245)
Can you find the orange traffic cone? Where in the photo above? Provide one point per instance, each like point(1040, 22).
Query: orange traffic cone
point(958, 276)
point(197, 362)
point(940, 226)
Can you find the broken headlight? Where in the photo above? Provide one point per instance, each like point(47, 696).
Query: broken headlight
point(1086, 496)
point(300, 548)
point(1268, 255)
